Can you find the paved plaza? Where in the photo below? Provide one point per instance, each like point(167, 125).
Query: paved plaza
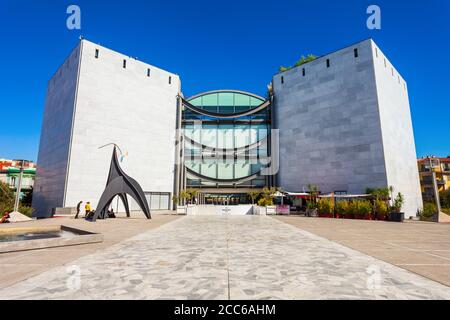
point(226, 257)
point(417, 246)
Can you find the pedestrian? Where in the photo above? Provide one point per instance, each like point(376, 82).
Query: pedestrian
point(78, 209)
point(87, 209)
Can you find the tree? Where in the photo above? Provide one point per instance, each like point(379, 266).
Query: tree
point(379, 193)
point(267, 196)
point(193, 194)
point(313, 190)
point(27, 198)
point(445, 198)
point(253, 195)
point(6, 194)
point(7, 201)
point(184, 196)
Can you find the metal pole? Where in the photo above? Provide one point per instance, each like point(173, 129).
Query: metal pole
point(19, 188)
point(435, 189)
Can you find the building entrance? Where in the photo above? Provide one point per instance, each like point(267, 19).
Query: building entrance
point(224, 199)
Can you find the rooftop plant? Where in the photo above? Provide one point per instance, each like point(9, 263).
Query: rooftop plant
point(299, 62)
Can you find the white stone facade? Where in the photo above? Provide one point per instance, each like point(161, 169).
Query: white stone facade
point(397, 132)
point(106, 101)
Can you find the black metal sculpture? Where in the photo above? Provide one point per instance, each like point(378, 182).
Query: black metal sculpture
point(119, 184)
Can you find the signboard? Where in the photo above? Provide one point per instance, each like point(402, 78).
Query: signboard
point(283, 209)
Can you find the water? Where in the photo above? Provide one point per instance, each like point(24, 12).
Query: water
point(36, 236)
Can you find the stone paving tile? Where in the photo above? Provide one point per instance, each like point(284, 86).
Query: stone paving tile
point(221, 257)
point(294, 264)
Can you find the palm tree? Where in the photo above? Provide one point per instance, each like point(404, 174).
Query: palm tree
point(253, 195)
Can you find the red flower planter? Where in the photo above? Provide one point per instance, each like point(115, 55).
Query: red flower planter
point(368, 217)
point(348, 216)
point(325, 215)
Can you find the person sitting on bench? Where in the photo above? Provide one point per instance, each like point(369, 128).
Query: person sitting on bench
point(111, 213)
point(5, 218)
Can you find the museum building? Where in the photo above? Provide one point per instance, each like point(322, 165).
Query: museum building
point(341, 122)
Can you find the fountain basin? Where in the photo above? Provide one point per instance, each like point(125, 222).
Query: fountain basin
point(33, 238)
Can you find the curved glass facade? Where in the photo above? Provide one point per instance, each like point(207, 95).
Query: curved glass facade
point(224, 152)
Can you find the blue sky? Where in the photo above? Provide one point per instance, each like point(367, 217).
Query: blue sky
point(217, 45)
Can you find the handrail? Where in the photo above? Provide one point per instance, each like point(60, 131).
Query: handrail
point(221, 151)
point(222, 181)
point(195, 109)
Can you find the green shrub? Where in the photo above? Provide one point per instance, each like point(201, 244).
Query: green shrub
point(352, 208)
point(380, 207)
point(445, 198)
point(342, 207)
point(429, 210)
point(360, 207)
point(364, 207)
point(325, 206)
point(26, 210)
point(446, 211)
point(263, 202)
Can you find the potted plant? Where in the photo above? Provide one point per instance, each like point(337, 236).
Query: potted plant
point(325, 208)
point(395, 213)
point(341, 209)
point(268, 194)
point(183, 200)
point(266, 206)
point(380, 208)
point(311, 209)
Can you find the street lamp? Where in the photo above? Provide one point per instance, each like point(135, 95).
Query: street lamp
point(435, 188)
point(19, 185)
